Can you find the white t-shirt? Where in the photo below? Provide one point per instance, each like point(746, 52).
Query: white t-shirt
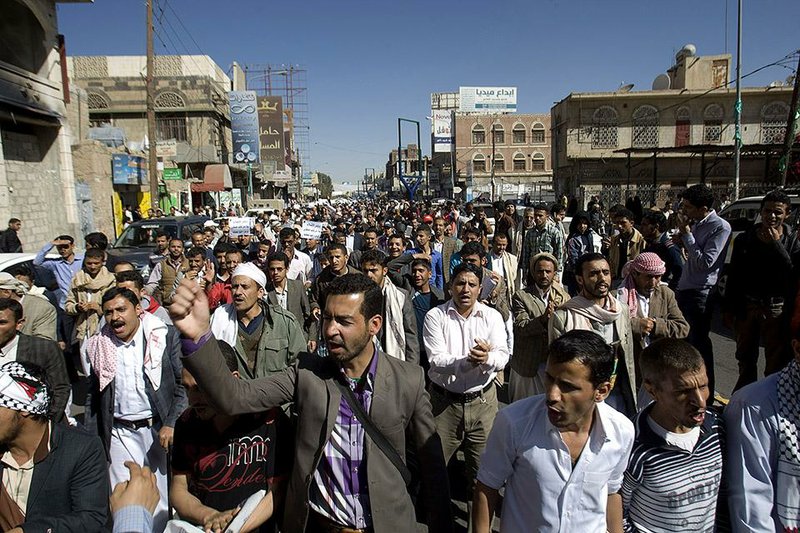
point(544, 492)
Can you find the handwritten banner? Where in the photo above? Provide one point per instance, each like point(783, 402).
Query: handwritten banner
point(311, 230)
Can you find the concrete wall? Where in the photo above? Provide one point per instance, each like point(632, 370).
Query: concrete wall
point(91, 162)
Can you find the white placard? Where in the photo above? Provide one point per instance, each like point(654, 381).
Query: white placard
point(311, 230)
point(241, 225)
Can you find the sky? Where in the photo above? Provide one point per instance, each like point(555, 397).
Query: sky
point(369, 62)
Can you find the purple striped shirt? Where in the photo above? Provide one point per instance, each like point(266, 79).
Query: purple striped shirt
point(339, 490)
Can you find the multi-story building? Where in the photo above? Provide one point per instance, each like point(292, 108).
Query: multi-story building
point(37, 184)
point(192, 119)
point(679, 133)
point(513, 148)
point(390, 181)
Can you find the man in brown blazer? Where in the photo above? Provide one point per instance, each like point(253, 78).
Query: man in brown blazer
point(340, 479)
point(445, 245)
point(532, 308)
point(653, 309)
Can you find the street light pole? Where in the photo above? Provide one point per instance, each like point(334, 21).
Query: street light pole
point(493, 155)
point(737, 133)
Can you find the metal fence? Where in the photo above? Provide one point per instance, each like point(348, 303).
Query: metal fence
point(658, 196)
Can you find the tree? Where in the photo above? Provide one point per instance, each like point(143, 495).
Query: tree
point(325, 186)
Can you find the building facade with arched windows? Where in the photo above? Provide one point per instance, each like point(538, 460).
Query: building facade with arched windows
point(608, 139)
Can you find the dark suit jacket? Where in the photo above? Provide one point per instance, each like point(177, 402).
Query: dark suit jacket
point(297, 303)
point(400, 407)
point(47, 355)
point(69, 488)
point(167, 403)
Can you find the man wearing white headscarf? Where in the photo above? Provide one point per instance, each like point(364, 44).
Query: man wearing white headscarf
point(53, 477)
point(40, 315)
point(266, 337)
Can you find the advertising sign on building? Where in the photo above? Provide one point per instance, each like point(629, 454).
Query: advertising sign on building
point(488, 99)
point(442, 130)
point(244, 127)
point(167, 149)
point(172, 174)
point(270, 133)
point(128, 169)
point(280, 177)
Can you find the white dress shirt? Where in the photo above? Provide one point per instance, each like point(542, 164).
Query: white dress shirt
point(449, 337)
point(8, 353)
point(130, 397)
point(543, 491)
point(300, 266)
point(644, 311)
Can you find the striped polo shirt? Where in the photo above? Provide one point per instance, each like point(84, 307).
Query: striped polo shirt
point(666, 488)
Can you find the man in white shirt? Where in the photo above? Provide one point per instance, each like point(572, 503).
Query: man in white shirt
point(561, 455)
point(504, 264)
point(300, 264)
point(466, 345)
point(763, 456)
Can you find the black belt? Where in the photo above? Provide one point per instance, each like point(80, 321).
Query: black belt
point(134, 424)
point(460, 397)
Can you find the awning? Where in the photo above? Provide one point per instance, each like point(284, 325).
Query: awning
point(215, 178)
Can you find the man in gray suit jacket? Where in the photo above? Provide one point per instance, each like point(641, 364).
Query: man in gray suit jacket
point(68, 487)
point(40, 315)
point(331, 444)
point(44, 353)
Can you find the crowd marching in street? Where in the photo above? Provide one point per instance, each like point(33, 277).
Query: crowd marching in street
point(268, 382)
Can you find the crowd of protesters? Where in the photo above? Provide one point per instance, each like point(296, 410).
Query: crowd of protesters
point(269, 382)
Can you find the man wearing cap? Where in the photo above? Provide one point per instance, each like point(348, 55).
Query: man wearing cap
point(40, 315)
point(16, 346)
point(266, 337)
point(135, 395)
point(54, 477)
point(653, 309)
point(383, 240)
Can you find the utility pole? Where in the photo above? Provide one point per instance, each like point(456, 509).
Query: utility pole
point(737, 132)
point(791, 127)
point(151, 111)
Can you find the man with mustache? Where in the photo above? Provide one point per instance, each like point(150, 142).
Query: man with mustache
point(333, 486)
point(266, 337)
point(596, 309)
point(135, 393)
point(673, 477)
point(560, 455)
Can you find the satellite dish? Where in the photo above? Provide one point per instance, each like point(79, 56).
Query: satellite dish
point(776, 83)
point(662, 82)
point(625, 88)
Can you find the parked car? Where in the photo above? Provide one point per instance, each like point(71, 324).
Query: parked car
point(137, 242)
point(44, 278)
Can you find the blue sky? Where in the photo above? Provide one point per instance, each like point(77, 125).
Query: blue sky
point(369, 62)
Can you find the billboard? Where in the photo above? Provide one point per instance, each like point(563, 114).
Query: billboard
point(244, 126)
point(488, 99)
point(442, 130)
point(128, 169)
point(270, 133)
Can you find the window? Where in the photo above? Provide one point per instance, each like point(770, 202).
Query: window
point(499, 134)
point(171, 127)
point(478, 134)
point(604, 128)
point(519, 134)
point(712, 123)
point(479, 163)
point(683, 127)
point(99, 121)
point(645, 127)
point(499, 163)
point(537, 133)
point(537, 162)
point(97, 101)
point(519, 159)
point(774, 117)
point(169, 100)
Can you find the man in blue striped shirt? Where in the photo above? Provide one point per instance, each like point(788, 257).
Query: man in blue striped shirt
point(675, 470)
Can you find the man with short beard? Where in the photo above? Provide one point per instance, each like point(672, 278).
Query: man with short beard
point(266, 337)
point(299, 263)
point(397, 337)
point(135, 394)
point(653, 310)
point(425, 297)
point(544, 236)
point(333, 486)
point(532, 308)
point(54, 476)
point(596, 309)
point(163, 276)
point(445, 245)
point(291, 295)
point(336, 254)
point(654, 230)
